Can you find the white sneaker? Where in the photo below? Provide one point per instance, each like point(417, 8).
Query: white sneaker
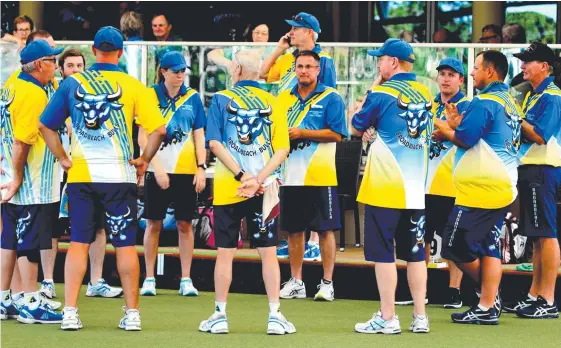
point(291, 289)
point(102, 289)
point(186, 288)
point(278, 325)
point(131, 320)
point(420, 324)
point(378, 325)
point(216, 324)
point(48, 289)
point(325, 293)
point(71, 319)
point(148, 287)
point(53, 304)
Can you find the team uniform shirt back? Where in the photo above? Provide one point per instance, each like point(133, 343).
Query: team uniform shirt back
point(284, 71)
point(251, 125)
point(543, 110)
point(183, 115)
point(485, 175)
point(442, 153)
point(102, 103)
point(23, 100)
point(395, 172)
point(311, 163)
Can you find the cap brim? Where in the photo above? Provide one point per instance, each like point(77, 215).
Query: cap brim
point(178, 67)
point(375, 53)
point(523, 56)
point(57, 51)
point(296, 24)
point(446, 66)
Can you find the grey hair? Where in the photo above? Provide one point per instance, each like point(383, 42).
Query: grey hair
point(316, 35)
point(131, 24)
point(250, 60)
point(28, 67)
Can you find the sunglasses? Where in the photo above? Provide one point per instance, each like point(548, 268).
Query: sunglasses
point(300, 19)
point(49, 60)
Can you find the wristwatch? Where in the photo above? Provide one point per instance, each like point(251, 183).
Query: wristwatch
point(204, 166)
point(238, 176)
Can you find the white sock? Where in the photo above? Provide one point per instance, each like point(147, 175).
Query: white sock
point(298, 281)
point(274, 307)
point(532, 298)
point(31, 299)
point(70, 309)
point(6, 297)
point(17, 296)
point(485, 309)
point(48, 281)
point(220, 307)
point(150, 278)
point(185, 278)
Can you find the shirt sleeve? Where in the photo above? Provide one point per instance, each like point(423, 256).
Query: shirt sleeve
point(274, 72)
point(214, 127)
point(548, 120)
point(328, 74)
point(369, 114)
point(335, 115)
point(147, 112)
point(475, 124)
point(26, 127)
point(280, 138)
point(462, 106)
point(57, 110)
point(200, 116)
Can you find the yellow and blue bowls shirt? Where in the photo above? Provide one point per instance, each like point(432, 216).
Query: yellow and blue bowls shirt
point(251, 125)
point(102, 102)
point(485, 174)
point(283, 70)
point(23, 101)
point(310, 163)
point(396, 168)
point(183, 114)
point(442, 153)
point(542, 109)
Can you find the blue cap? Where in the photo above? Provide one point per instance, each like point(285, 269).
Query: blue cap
point(38, 49)
point(173, 60)
point(111, 37)
point(451, 63)
point(395, 48)
point(304, 20)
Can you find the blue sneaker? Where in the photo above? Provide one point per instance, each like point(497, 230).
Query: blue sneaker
point(312, 252)
point(43, 314)
point(8, 311)
point(102, 289)
point(282, 250)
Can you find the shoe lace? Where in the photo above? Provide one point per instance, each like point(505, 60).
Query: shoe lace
point(290, 281)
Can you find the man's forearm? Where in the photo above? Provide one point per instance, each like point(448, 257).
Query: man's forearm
point(53, 142)
point(153, 144)
point(450, 134)
point(224, 156)
point(274, 162)
point(529, 132)
point(20, 151)
point(200, 150)
point(269, 62)
point(355, 132)
point(321, 136)
point(142, 142)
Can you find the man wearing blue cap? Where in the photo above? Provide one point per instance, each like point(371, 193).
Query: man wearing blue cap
point(440, 191)
point(102, 102)
point(303, 36)
point(30, 199)
point(393, 187)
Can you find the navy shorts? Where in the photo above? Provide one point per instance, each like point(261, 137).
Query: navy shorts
point(538, 186)
point(28, 227)
point(87, 201)
point(472, 233)
point(181, 192)
point(437, 210)
point(227, 222)
point(388, 229)
point(314, 208)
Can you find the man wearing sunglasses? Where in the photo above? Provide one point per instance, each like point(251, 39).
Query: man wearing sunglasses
point(29, 185)
point(302, 36)
point(491, 33)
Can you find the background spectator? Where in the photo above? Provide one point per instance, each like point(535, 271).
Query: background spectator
point(161, 28)
point(514, 33)
point(131, 26)
point(491, 33)
point(23, 26)
point(444, 35)
point(406, 36)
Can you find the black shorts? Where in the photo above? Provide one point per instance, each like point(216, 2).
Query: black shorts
point(181, 192)
point(28, 227)
point(227, 222)
point(314, 208)
point(437, 211)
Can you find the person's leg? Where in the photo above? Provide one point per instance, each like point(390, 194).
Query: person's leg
point(490, 280)
point(550, 267)
point(296, 250)
point(328, 252)
point(48, 257)
point(455, 275)
point(151, 241)
point(537, 273)
point(8, 258)
point(271, 273)
point(223, 273)
point(74, 271)
point(314, 237)
point(386, 279)
point(97, 255)
point(129, 272)
point(29, 271)
point(186, 246)
point(417, 279)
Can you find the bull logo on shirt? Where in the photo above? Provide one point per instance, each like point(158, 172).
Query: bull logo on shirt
point(264, 227)
point(21, 227)
point(174, 135)
point(514, 121)
point(5, 103)
point(496, 235)
point(436, 147)
point(249, 123)
point(417, 116)
point(117, 224)
point(96, 108)
point(419, 231)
